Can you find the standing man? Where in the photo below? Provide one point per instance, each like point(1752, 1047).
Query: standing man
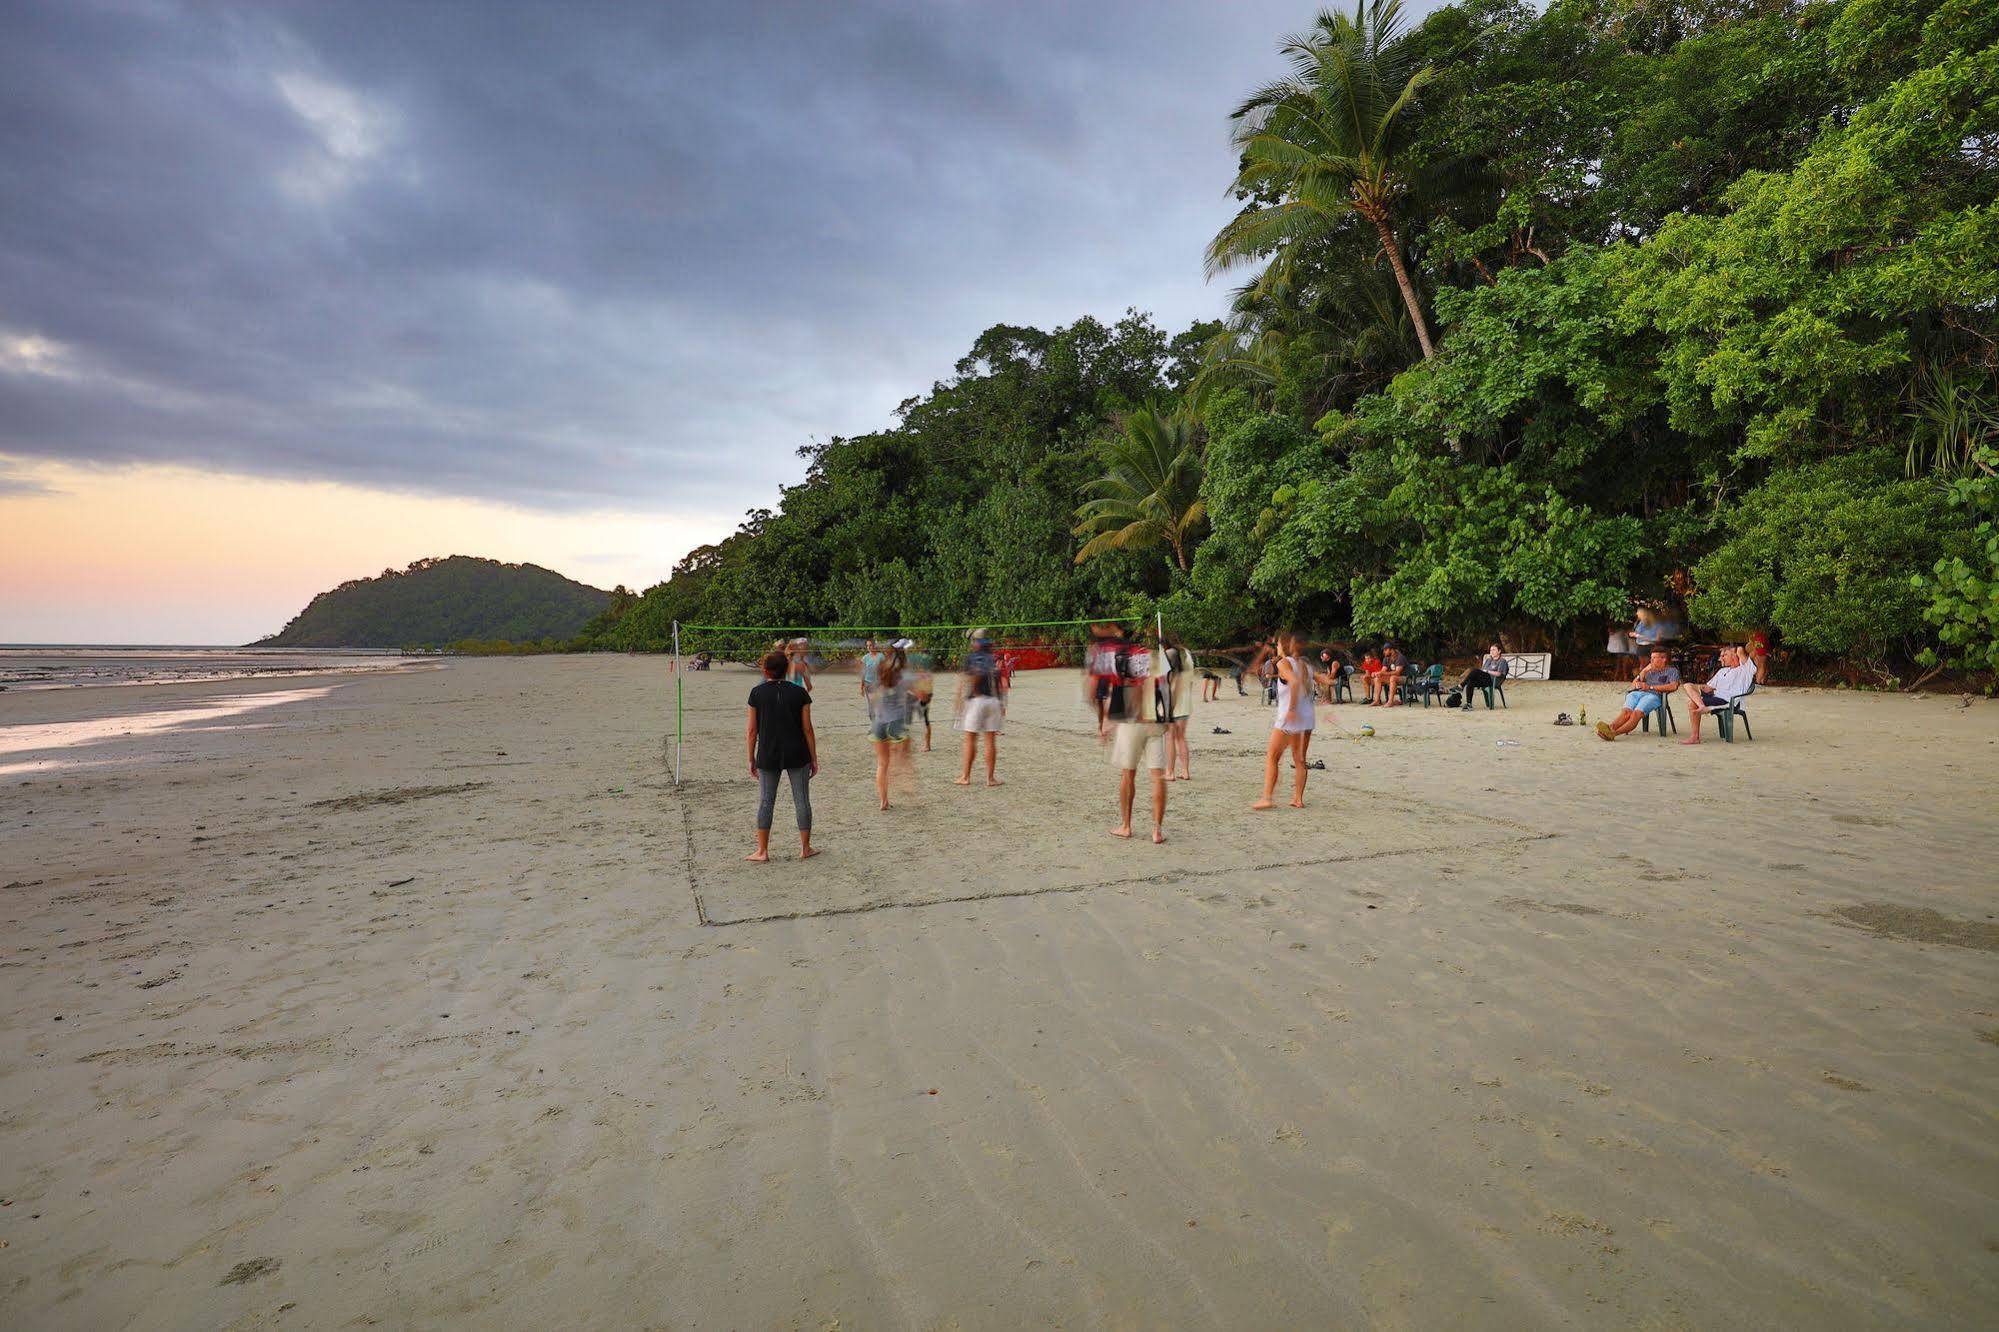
point(781, 741)
point(979, 711)
point(1736, 677)
point(1139, 737)
point(871, 666)
point(1656, 679)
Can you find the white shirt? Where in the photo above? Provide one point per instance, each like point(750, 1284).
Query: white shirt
point(1732, 682)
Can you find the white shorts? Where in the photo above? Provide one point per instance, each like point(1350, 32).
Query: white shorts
point(1136, 745)
point(981, 715)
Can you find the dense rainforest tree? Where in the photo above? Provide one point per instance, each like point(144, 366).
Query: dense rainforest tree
point(1550, 311)
point(1151, 496)
point(1322, 143)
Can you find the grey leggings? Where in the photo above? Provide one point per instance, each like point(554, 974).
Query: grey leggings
point(801, 796)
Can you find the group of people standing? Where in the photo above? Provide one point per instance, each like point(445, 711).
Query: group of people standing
point(1141, 689)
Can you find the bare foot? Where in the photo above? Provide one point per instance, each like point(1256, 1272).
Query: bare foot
point(1689, 742)
point(1124, 831)
point(808, 853)
point(1264, 804)
point(1158, 836)
point(758, 857)
point(1297, 804)
point(884, 804)
point(962, 781)
point(995, 781)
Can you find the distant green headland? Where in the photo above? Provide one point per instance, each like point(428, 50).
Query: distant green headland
point(442, 602)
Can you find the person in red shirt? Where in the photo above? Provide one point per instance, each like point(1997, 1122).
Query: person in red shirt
point(1377, 679)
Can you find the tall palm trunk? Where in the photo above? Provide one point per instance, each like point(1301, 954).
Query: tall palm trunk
point(1394, 249)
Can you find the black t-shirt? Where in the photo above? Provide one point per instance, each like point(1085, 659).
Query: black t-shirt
point(780, 707)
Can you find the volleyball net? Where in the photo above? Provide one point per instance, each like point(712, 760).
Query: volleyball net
point(1032, 644)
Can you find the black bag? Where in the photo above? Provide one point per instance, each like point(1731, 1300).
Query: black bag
point(1454, 699)
point(1119, 708)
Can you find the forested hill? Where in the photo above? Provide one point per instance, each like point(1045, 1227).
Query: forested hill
point(1548, 312)
point(441, 601)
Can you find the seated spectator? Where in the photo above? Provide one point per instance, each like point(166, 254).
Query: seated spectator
point(1332, 669)
point(1370, 666)
point(1654, 681)
point(1736, 677)
point(1491, 669)
point(1393, 667)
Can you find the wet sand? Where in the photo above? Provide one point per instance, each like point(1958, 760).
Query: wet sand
point(395, 1002)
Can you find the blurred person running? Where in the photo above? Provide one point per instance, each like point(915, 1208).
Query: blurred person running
point(1179, 664)
point(979, 711)
point(871, 665)
point(1141, 711)
point(890, 727)
point(1291, 730)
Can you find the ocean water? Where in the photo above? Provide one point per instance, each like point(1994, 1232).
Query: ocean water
point(44, 666)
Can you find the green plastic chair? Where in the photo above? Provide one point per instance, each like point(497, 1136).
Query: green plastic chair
point(1665, 716)
point(1725, 718)
point(1430, 684)
point(1489, 686)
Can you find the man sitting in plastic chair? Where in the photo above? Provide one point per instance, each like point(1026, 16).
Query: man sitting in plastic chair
point(1656, 679)
point(1490, 670)
point(1734, 680)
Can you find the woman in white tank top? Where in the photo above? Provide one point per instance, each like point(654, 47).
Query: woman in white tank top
point(1291, 733)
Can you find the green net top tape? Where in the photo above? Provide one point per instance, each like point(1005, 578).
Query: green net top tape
point(899, 628)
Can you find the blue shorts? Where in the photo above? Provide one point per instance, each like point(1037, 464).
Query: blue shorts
point(895, 732)
point(1642, 700)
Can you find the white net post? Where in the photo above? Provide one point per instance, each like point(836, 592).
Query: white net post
point(679, 705)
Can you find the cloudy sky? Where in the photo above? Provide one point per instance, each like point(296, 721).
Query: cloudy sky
point(290, 292)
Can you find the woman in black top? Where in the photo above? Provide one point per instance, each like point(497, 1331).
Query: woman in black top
point(781, 740)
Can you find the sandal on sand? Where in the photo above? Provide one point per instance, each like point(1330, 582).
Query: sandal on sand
point(1223, 730)
point(1603, 729)
point(1562, 719)
point(1319, 764)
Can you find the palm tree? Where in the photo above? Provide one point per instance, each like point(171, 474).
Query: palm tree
point(1324, 142)
point(1151, 495)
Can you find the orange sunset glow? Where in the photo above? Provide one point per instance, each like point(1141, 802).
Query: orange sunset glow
point(173, 555)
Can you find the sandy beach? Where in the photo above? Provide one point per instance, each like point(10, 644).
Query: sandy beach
point(424, 996)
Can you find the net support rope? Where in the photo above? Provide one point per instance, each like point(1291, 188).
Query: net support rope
point(679, 684)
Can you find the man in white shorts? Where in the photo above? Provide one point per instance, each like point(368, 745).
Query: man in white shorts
point(1138, 736)
point(979, 711)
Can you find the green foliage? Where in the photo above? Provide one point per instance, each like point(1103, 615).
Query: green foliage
point(438, 601)
point(1823, 552)
point(1962, 590)
point(1321, 146)
point(962, 511)
point(1716, 299)
point(1796, 315)
point(1151, 494)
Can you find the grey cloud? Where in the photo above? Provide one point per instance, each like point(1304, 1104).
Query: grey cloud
point(579, 253)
